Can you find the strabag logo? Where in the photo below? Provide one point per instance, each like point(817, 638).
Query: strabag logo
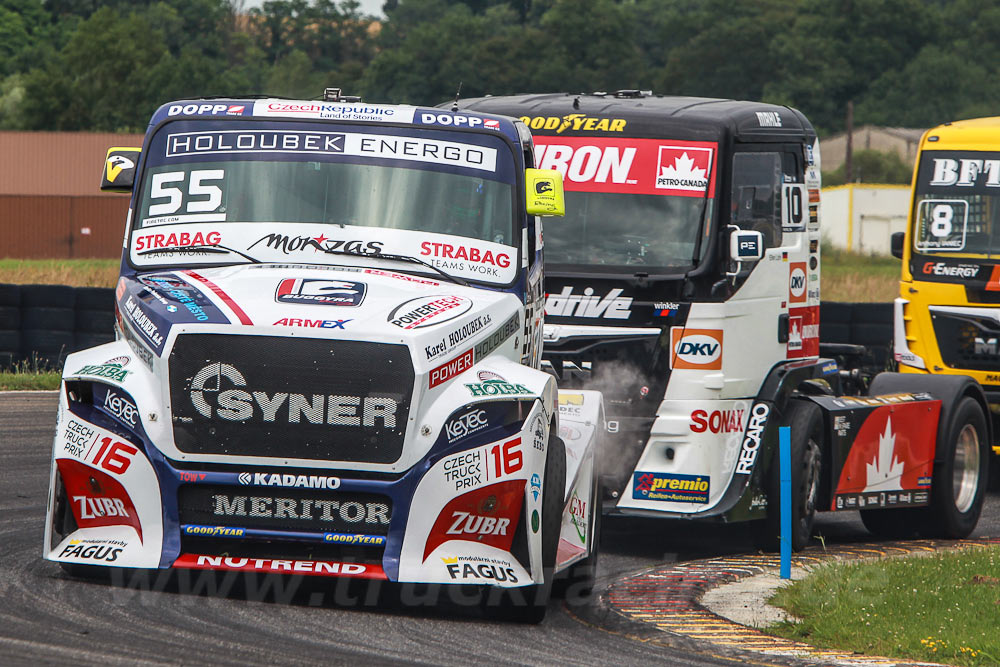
point(426, 311)
point(319, 291)
point(612, 306)
point(240, 404)
point(696, 349)
point(751, 442)
point(683, 168)
point(670, 488)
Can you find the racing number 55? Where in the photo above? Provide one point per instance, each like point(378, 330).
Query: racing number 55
point(159, 189)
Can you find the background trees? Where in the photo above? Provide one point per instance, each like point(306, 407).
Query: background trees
point(107, 64)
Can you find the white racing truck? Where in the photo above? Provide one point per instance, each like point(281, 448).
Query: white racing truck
point(327, 358)
point(684, 284)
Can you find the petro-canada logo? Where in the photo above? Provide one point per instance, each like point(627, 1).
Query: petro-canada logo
point(683, 168)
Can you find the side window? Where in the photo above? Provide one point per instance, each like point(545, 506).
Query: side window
point(756, 196)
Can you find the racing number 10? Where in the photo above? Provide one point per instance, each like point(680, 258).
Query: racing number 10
point(114, 456)
point(509, 461)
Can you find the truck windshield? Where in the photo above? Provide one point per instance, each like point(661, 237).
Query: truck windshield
point(956, 204)
point(281, 191)
point(631, 204)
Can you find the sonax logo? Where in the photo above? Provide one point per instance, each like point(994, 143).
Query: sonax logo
point(697, 349)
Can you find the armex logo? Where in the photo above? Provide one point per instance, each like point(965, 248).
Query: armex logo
point(696, 349)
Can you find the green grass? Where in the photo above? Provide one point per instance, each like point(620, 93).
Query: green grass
point(854, 277)
point(941, 608)
point(75, 272)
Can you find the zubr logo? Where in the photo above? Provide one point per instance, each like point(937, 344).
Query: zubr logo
point(797, 282)
point(320, 292)
point(698, 349)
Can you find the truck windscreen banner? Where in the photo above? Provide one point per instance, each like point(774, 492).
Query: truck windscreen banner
point(631, 166)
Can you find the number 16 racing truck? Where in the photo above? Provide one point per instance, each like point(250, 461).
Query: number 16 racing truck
point(329, 323)
point(685, 286)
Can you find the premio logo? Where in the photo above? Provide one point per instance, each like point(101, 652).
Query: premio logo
point(696, 349)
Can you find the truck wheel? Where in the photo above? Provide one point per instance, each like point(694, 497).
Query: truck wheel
point(527, 604)
point(960, 475)
point(806, 421)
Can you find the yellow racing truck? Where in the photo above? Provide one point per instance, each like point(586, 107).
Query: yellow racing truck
point(947, 316)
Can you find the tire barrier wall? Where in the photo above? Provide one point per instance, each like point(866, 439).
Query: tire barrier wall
point(867, 324)
point(41, 324)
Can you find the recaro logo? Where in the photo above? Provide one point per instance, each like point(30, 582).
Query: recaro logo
point(696, 349)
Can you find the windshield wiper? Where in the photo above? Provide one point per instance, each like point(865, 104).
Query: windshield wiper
point(398, 258)
point(210, 249)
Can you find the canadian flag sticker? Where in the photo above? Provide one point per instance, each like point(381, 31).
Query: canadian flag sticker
point(685, 168)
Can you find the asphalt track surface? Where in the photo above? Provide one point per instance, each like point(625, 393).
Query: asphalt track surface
point(47, 617)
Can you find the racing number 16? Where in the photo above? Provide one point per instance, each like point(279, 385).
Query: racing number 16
point(114, 457)
point(509, 461)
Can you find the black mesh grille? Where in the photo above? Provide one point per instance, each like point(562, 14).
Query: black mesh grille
point(968, 342)
point(290, 397)
point(285, 509)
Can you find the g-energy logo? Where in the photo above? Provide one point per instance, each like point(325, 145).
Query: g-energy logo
point(951, 270)
point(241, 404)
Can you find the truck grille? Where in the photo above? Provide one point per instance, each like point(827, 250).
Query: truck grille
point(301, 398)
point(967, 342)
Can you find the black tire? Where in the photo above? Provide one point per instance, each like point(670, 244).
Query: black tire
point(528, 604)
point(47, 296)
point(834, 332)
point(10, 317)
point(94, 321)
point(95, 298)
point(45, 341)
point(53, 319)
point(806, 421)
point(872, 313)
point(10, 340)
point(894, 524)
point(576, 583)
point(85, 341)
point(834, 312)
point(954, 512)
point(10, 295)
point(871, 334)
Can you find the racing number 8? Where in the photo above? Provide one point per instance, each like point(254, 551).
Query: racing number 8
point(941, 220)
point(511, 461)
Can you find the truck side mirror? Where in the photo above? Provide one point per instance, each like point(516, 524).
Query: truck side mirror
point(544, 192)
point(119, 169)
point(746, 246)
point(896, 244)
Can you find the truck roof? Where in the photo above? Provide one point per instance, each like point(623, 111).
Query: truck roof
point(319, 110)
point(650, 115)
point(975, 134)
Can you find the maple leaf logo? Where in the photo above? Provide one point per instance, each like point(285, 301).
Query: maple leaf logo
point(683, 169)
point(885, 472)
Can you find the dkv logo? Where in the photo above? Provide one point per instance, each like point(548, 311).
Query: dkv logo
point(797, 282)
point(699, 349)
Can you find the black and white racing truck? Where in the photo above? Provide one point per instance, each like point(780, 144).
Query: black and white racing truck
point(327, 357)
point(684, 284)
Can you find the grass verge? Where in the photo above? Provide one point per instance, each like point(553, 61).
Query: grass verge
point(34, 381)
point(854, 277)
point(74, 272)
point(941, 608)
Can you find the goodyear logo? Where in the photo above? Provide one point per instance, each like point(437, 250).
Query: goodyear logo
point(670, 488)
point(576, 122)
